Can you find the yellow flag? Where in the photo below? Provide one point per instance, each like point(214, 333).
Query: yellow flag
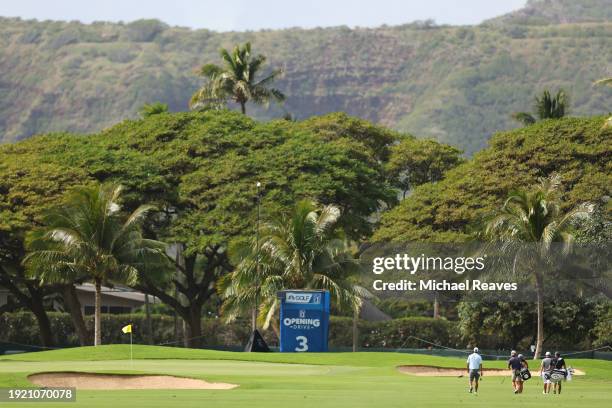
point(127, 329)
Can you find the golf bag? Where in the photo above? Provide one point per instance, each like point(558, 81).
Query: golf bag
point(525, 374)
point(557, 375)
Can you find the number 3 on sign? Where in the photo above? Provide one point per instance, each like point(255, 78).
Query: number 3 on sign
point(302, 343)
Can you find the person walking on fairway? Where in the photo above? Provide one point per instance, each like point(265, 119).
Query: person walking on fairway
point(515, 365)
point(546, 368)
point(558, 363)
point(474, 367)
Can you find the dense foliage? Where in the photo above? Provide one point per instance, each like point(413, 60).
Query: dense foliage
point(85, 238)
point(200, 170)
point(413, 162)
point(489, 326)
point(21, 328)
point(510, 325)
point(303, 249)
point(206, 165)
point(457, 84)
point(449, 210)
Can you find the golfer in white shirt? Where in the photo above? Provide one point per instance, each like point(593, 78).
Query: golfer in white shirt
point(474, 367)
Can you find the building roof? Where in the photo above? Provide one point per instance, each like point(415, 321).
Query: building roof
point(118, 292)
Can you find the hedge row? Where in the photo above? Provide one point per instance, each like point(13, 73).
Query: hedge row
point(21, 328)
point(397, 333)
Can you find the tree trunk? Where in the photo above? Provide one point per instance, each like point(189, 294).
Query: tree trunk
point(275, 326)
point(355, 330)
point(243, 108)
point(97, 310)
point(540, 315)
point(193, 334)
point(148, 319)
point(71, 302)
point(32, 300)
point(191, 291)
point(44, 326)
point(185, 331)
point(436, 306)
point(177, 328)
point(254, 319)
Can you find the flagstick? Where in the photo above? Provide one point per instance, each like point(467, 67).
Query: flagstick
point(131, 358)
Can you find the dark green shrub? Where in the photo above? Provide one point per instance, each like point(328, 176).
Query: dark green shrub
point(21, 327)
point(409, 333)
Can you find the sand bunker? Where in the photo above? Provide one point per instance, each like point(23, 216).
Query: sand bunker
point(431, 371)
point(91, 381)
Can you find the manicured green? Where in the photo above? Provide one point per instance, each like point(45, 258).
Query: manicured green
point(298, 380)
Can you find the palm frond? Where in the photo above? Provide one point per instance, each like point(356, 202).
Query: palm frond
point(210, 70)
point(604, 81)
point(297, 251)
point(524, 117)
point(236, 80)
point(535, 217)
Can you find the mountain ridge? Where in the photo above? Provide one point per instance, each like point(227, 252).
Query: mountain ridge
point(458, 84)
point(558, 12)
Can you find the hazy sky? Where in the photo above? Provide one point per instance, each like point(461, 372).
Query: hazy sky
point(225, 15)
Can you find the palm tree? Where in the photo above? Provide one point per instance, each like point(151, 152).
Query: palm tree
point(546, 106)
point(300, 250)
point(87, 237)
point(536, 218)
point(236, 80)
point(150, 109)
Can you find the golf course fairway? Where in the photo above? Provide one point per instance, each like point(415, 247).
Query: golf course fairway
point(292, 380)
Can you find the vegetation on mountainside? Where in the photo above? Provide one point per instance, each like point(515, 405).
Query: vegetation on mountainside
point(538, 12)
point(455, 84)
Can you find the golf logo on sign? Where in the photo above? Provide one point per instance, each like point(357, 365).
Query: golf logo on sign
point(299, 298)
point(304, 320)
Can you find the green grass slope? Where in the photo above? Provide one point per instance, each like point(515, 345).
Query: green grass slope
point(457, 84)
point(141, 352)
point(296, 380)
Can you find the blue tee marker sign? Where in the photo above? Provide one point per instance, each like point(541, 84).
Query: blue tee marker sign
point(304, 320)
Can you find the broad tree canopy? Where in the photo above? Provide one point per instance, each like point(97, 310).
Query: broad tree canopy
point(451, 209)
